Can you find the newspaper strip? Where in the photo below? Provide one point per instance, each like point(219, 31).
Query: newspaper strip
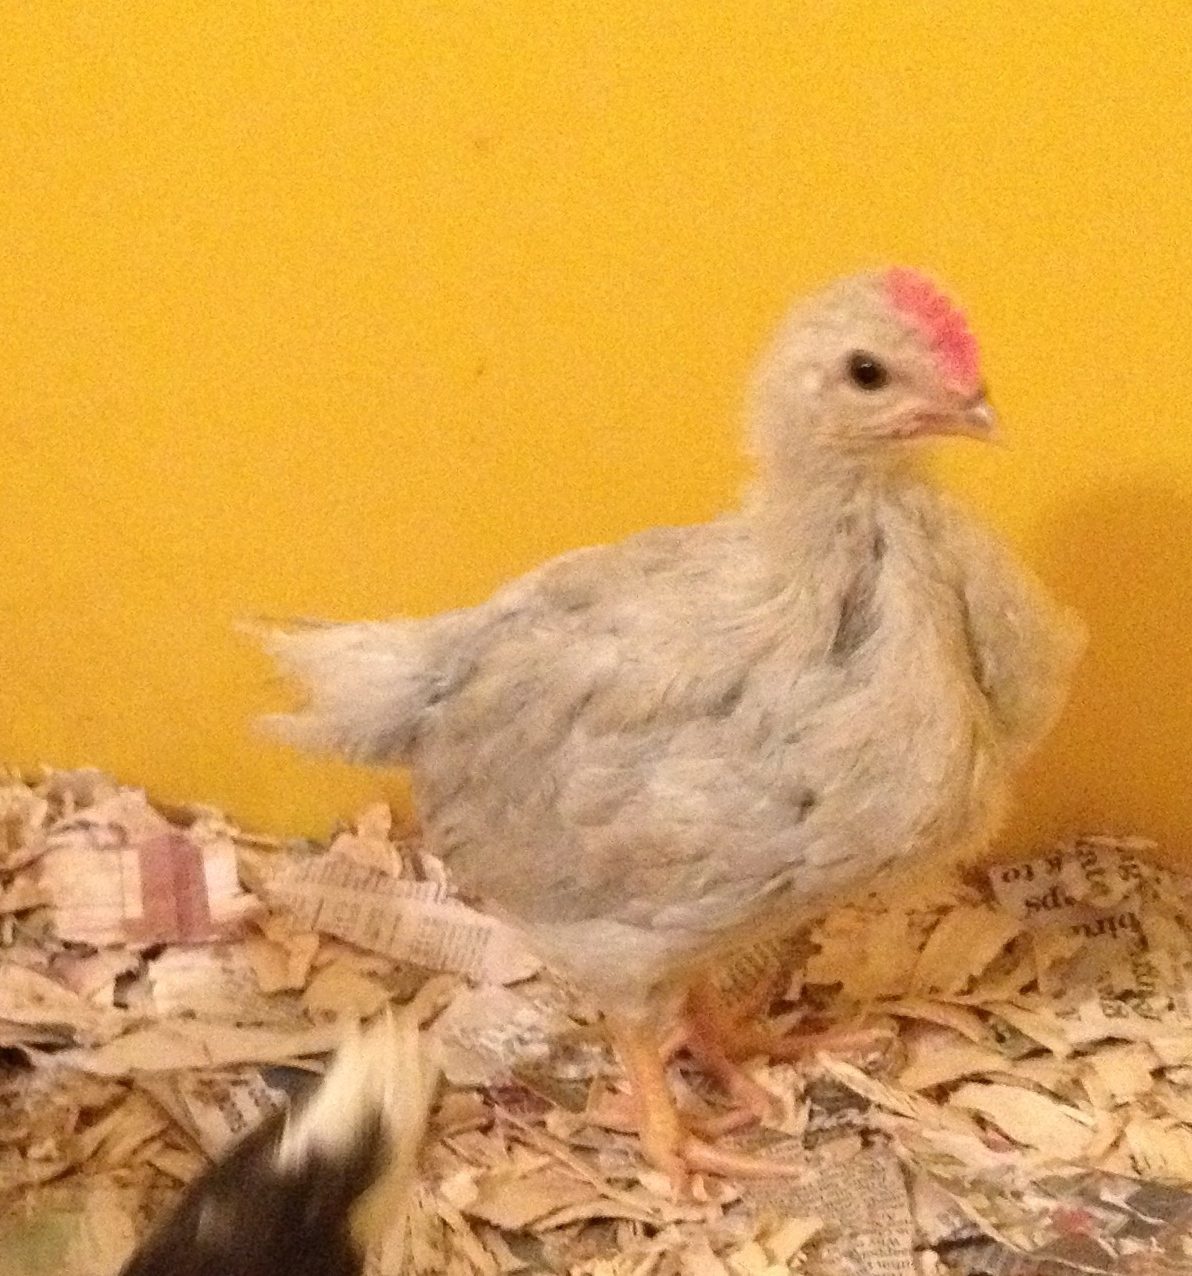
point(371, 842)
point(405, 920)
point(485, 1034)
point(23, 817)
point(1145, 1004)
point(120, 873)
point(939, 1220)
point(182, 1043)
point(220, 1110)
point(1102, 1224)
point(35, 1001)
point(215, 982)
point(1070, 886)
point(862, 1198)
point(1123, 948)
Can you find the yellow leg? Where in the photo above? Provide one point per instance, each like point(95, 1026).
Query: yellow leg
point(718, 1036)
point(661, 1131)
point(711, 1028)
point(666, 1141)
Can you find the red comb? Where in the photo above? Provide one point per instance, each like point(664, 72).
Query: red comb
point(941, 323)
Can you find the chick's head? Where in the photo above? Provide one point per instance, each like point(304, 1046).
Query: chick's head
point(872, 363)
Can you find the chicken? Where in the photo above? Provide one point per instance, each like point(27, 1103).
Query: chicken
point(304, 1194)
point(644, 754)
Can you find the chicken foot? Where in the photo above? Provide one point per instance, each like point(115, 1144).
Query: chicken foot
point(669, 1142)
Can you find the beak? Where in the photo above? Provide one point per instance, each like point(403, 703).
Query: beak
point(976, 421)
point(980, 422)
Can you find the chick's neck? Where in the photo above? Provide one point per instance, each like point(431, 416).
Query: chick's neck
point(800, 505)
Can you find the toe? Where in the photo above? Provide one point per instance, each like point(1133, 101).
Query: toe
point(610, 1111)
point(664, 1151)
point(707, 1158)
point(754, 1098)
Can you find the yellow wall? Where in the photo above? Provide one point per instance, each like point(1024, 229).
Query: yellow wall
point(359, 307)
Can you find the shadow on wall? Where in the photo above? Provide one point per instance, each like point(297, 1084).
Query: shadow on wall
point(1121, 760)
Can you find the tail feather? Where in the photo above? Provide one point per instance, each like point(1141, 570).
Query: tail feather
point(367, 686)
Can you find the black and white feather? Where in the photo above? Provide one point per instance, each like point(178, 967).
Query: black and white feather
point(309, 1190)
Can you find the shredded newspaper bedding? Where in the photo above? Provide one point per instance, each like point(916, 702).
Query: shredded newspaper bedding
point(1005, 1086)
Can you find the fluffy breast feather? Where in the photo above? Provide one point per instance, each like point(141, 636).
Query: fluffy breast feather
point(669, 739)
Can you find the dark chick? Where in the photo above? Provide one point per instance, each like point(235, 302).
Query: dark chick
point(307, 1191)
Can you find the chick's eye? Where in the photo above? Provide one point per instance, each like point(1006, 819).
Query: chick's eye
point(866, 372)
